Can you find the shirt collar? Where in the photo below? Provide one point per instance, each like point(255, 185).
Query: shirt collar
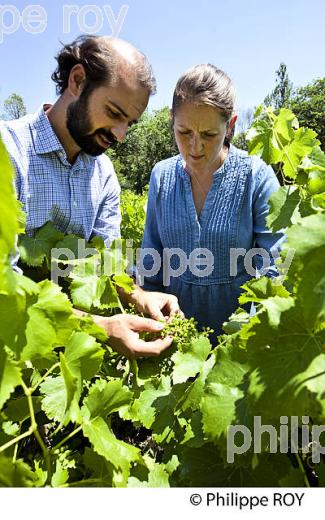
point(45, 139)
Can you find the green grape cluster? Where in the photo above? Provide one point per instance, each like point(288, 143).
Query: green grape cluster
point(183, 331)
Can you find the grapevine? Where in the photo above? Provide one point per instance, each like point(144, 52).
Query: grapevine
point(73, 412)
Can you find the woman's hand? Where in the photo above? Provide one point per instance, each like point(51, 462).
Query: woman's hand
point(157, 305)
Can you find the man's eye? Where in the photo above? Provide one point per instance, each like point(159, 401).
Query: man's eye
point(208, 135)
point(111, 113)
point(183, 132)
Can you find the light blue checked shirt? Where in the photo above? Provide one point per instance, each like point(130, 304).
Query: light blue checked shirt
point(83, 198)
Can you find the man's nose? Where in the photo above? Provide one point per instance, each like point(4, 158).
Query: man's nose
point(119, 130)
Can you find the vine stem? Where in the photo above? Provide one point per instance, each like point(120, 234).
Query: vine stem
point(16, 440)
point(32, 390)
point(85, 482)
point(135, 371)
point(15, 453)
point(301, 467)
point(77, 430)
point(34, 430)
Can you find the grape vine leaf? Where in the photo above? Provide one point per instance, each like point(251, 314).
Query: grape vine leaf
point(54, 399)
point(307, 238)
point(34, 250)
point(188, 364)
point(51, 323)
point(156, 477)
point(9, 226)
point(89, 290)
point(166, 426)
point(103, 399)
point(124, 281)
point(143, 409)
point(223, 391)
point(284, 208)
point(60, 476)
point(313, 379)
point(17, 409)
point(8, 207)
point(301, 145)
point(266, 355)
point(15, 474)
point(10, 374)
point(72, 393)
point(262, 141)
point(106, 397)
point(83, 356)
point(194, 393)
point(204, 467)
point(120, 454)
point(258, 290)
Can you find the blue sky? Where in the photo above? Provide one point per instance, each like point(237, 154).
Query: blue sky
point(248, 39)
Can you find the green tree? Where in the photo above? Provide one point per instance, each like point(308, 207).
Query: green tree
point(308, 104)
point(239, 140)
point(280, 96)
point(244, 121)
point(148, 142)
point(14, 107)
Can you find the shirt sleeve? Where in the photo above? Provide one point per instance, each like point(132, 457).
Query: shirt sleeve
point(108, 218)
point(149, 264)
point(270, 243)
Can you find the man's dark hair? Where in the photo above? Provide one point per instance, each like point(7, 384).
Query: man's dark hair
point(101, 63)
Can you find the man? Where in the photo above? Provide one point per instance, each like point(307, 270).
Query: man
point(62, 173)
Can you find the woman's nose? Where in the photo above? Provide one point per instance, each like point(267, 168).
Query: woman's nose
point(195, 143)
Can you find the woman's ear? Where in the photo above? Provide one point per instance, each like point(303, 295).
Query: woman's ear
point(171, 119)
point(232, 121)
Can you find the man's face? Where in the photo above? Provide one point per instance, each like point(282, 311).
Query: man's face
point(99, 119)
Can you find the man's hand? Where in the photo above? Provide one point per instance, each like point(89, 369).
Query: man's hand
point(123, 331)
point(157, 305)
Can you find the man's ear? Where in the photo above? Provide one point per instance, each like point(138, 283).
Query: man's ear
point(77, 79)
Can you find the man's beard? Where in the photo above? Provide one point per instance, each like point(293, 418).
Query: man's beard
point(78, 124)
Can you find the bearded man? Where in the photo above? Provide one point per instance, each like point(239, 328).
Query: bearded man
point(64, 176)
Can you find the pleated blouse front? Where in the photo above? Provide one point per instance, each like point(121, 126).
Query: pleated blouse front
point(203, 257)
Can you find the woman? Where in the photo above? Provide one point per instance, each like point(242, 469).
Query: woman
point(207, 205)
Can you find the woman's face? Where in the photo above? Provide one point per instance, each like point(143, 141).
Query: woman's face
point(200, 131)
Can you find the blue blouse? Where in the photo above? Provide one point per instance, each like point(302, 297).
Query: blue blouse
point(206, 259)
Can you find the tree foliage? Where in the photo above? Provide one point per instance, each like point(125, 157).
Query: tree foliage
point(308, 104)
point(14, 107)
point(280, 96)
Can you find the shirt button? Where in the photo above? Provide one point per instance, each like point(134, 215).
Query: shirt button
point(75, 203)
